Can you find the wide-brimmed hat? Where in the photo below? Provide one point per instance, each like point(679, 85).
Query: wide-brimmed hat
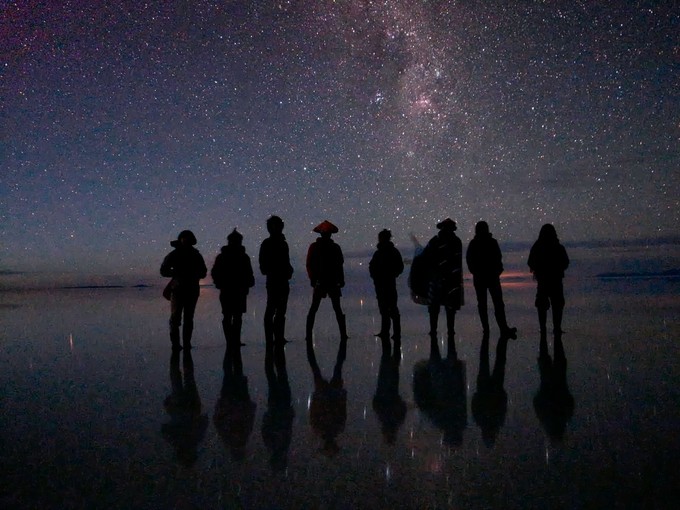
point(184, 233)
point(325, 227)
point(447, 224)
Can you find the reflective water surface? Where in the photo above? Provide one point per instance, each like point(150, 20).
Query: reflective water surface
point(96, 413)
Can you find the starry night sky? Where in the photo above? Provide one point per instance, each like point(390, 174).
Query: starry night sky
point(126, 122)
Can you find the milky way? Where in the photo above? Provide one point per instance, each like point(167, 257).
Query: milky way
point(125, 123)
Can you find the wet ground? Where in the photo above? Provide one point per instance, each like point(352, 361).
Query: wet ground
point(97, 414)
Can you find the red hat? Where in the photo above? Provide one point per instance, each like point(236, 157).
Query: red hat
point(325, 227)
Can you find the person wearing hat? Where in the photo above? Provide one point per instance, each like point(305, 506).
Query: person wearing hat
point(186, 267)
point(384, 267)
point(444, 256)
point(547, 261)
point(485, 262)
point(232, 273)
point(274, 262)
point(326, 275)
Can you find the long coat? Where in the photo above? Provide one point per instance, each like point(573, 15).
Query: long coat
point(232, 273)
point(444, 257)
point(185, 265)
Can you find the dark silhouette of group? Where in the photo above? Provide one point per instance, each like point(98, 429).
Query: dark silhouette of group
point(436, 280)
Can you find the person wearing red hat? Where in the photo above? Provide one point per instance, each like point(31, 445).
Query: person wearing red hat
point(326, 275)
point(444, 256)
point(185, 265)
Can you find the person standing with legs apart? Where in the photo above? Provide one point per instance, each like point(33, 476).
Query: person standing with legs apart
point(547, 261)
point(444, 257)
point(326, 275)
point(384, 267)
point(275, 265)
point(186, 267)
point(485, 262)
point(233, 275)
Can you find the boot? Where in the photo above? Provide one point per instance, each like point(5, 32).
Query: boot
point(279, 331)
point(484, 317)
point(557, 320)
point(396, 325)
point(434, 319)
point(309, 328)
point(342, 325)
point(268, 332)
point(451, 334)
point(384, 327)
point(542, 318)
point(225, 330)
point(174, 339)
point(187, 332)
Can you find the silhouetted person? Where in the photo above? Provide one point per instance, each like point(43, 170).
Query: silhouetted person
point(328, 406)
point(187, 425)
point(186, 267)
point(548, 260)
point(234, 410)
point(384, 267)
point(275, 265)
point(233, 275)
point(326, 275)
point(277, 422)
point(485, 262)
point(553, 403)
point(439, 390)
point(490, 401)
point(387, 403)
point(444, 258)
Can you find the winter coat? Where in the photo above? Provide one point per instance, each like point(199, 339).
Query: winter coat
point(444, 256)
point(484, 259)
point(324, 264)
point(274, 259)
point(385, 265)
point(548, 260)
point(185, 265)
point(232, 273)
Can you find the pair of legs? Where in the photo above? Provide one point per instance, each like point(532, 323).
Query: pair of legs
point(232, 314)
point(433, 310)
point(493, 286)
point(317, 296)
point(550, 293)
point(182, 303)
point(389, 312)
point(275, 313)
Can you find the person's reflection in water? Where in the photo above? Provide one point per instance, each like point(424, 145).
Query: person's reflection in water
point(328, 406)
point(234, 411)
point(187, 425)
point(387, 403)
point(490, 401)
point(553, 403)
point(439, 392)
point(277, 422)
